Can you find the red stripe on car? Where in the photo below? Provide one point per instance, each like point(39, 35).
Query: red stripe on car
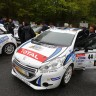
point(32, 54)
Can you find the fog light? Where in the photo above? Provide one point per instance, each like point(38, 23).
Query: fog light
point(45, 84)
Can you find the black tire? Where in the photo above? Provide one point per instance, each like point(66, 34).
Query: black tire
point(67, 76)
point(9, 48)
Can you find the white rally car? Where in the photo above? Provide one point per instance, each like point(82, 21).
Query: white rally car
point(7, 42)
point(49, 59)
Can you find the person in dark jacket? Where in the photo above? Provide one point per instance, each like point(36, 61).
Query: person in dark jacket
point(28, 31)
point(11, 27)
point(92, 29)
point(89, 33)
point(3, 20)
point(44, 26)
point(21, 33)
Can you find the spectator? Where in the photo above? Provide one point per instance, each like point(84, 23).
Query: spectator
point(51, 25)
point(28, 31)
point(44, 26)
point(11, 27)
point(66, 25)
point(3, 20)
point(92, 29)
point(89, 33)
point(71, 26)
point(21, 33)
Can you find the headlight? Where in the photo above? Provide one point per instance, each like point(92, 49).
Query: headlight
point(53, 65)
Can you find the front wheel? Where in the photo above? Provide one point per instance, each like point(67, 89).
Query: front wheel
point(67, 75)
point(9, 49)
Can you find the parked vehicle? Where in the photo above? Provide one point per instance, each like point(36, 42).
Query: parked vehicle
point(8, 43)
point(49, 59)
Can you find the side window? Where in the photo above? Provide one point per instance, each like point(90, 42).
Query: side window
point(93, 46)
point(80, 40)
point(92, 43)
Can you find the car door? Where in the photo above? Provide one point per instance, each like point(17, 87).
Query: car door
point(85, 59)
point(86, 53)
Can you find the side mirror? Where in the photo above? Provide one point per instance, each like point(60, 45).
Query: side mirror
point(76, 49)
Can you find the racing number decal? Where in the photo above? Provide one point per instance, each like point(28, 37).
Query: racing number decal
point(90, 56)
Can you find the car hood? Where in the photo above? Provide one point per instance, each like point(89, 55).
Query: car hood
point(35, 55)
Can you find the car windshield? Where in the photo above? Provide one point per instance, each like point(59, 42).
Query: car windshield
point(55, 38)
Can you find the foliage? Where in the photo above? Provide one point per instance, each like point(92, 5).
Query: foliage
point(72, 11)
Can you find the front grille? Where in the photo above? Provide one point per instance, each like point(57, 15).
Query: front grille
point(31, 70)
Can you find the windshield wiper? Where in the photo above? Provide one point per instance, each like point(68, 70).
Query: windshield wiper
point(47, 43)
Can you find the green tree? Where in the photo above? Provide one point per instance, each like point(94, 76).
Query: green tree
point(71, 11)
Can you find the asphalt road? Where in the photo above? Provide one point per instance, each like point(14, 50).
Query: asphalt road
point(82, 83)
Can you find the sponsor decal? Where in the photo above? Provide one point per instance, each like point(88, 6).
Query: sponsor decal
point(3, 39)
point(56, 78)
point(80, 60)
point(80, 63)
point(80, 55)
point(36, 47)
point(32, 54)
point(73, 57)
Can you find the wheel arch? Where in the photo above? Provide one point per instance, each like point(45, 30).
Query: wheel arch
point(71, 64)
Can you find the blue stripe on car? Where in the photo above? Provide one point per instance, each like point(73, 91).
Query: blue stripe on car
point(39, 81)
point(69, 56)
point(2, 39)
point(56, 78)
point(55, 53)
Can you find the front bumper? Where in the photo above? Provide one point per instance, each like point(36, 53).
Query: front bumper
point(42, 81)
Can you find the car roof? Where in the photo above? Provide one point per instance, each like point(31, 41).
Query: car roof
point(66, 30)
